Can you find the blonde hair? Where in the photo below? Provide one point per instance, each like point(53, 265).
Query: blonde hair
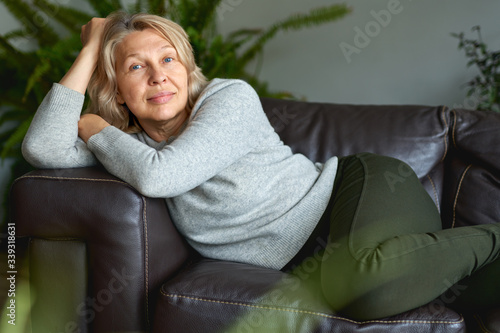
point(103, 87)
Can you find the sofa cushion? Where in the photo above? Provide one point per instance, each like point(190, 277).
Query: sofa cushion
point(472, 180)
point(231, 297)
point(472, 192)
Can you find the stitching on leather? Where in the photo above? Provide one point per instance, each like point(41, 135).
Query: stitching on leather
point(319, 314)
point(443, 115)
point(75, 178)
point(481, 324)
point(458, 192)
point(57, 239)
point(435, 192)
point(146, 259)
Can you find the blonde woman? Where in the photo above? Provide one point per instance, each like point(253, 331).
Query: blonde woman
point(236, 192)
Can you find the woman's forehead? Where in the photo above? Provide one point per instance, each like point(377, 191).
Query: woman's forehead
point(143, 41)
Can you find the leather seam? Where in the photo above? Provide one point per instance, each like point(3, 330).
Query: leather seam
point(481, 324)
point(319, 314)
point(146, 258)
point(458, 192)
point(76, 178)
point(436, 197)
point(56, 239)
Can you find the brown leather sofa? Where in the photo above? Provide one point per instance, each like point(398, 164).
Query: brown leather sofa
point(103, 258)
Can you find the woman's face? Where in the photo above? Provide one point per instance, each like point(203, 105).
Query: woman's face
point(151, 79)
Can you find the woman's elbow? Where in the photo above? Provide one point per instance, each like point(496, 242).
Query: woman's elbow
point(150, 186)
point(149, 190)
point(32, 154)
point(44, 157)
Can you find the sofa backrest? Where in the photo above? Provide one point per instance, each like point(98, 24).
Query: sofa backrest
point(472, 182)
point(438, 143)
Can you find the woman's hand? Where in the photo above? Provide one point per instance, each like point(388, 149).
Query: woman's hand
point(89, 125)
point(91, 34)
point(78, 76)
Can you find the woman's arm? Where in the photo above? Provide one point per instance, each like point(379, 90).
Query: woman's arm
point(229, 124)
point(52, 140)
point(78, 76)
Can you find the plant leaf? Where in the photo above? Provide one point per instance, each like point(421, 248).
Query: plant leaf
point(16, 138)
point(105, 7)
point(34, 24)
point(42, 68)
point(70, 18)
point(156, 7)
point(315, 17)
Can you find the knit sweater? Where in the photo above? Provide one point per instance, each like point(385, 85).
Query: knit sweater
point(233, 189)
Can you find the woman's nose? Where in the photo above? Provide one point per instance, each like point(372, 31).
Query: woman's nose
point(157, 75)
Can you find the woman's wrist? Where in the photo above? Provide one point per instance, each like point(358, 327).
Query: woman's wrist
point(90, 124)
point(78, 76)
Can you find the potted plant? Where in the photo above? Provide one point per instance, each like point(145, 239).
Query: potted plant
point(485, 85)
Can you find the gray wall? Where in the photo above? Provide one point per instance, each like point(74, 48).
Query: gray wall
point(408, 58)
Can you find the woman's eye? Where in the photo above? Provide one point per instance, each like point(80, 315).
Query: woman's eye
point(168, 59)
point(136, 67)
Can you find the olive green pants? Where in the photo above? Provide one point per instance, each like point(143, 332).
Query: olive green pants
point(387, 251)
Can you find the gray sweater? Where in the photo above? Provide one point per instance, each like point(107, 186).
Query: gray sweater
point(233, 189)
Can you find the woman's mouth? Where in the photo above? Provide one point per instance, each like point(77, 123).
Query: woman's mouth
point(161, 97)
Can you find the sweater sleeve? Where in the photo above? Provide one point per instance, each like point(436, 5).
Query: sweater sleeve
point(52, 140)
point(226, 124)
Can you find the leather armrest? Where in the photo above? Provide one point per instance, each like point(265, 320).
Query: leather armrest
point(132, 245)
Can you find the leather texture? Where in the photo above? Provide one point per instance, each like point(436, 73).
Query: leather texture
point(250, 299)
point(133, 272)
point(131, 245)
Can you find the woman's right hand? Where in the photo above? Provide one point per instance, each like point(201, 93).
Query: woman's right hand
point(78, 76)
point(91, 35)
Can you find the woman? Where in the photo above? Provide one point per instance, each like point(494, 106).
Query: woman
point(234, 190)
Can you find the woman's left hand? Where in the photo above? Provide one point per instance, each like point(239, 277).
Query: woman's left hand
point(89, 125)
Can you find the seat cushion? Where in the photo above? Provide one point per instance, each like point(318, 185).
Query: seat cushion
point(222, 296)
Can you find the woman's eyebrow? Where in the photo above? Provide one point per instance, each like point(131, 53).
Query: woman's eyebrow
point(134, 55)
point(167, 46)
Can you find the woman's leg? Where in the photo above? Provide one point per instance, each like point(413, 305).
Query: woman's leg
point(390, 252)
point(476, 293)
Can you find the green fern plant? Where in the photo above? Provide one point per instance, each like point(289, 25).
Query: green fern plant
point(28, 73)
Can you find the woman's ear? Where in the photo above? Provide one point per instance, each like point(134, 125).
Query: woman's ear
point(119, 98)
